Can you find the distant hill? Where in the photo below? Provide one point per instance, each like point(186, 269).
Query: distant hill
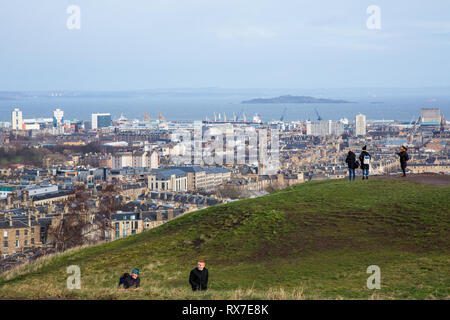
point(310, 241)
point(294, 99)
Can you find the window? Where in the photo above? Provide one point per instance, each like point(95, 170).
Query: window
point(127, 225)
point(117, 235)
point(5, 234)
point(26, 242)
point(133, 232)
point(136, 224)
point(17, 233)
point(32, 230)
point(5, 244)
point(26, 232)
point(17, 243)
point(32, 240)
point(117, 226)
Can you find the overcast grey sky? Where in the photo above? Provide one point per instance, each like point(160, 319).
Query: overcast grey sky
point(144, 44)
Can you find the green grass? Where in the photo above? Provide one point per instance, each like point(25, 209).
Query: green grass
point(309, 241)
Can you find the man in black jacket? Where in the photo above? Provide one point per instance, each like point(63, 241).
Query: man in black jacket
point(404, 157)
point(199, 277)
point(352, 164)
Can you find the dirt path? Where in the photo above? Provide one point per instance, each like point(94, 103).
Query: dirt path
point(426, 178)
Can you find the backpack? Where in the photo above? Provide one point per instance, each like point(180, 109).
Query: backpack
point(356, 164)
point(366, 159)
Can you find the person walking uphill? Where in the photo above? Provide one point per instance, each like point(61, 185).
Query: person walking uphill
point(365, 158)
point(404, 157)
point(132, 280)
point(199, 277)
point(352, 164)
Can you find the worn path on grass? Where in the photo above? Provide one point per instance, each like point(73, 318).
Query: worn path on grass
point(426, 178)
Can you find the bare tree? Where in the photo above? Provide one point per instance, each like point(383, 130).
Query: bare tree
point(272, 187)
point(81, 224)
point(229, 191)
point(109, 203)
point(70, 230)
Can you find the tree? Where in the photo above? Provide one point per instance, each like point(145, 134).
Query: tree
point(230, 192)
point(70, 230)
point(109, 203)
point(81, 224)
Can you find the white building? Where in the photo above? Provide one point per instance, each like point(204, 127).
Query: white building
point(136, 159)
point(430, 115)
point(101, 120)
point(324, 128)
point(16, 119)
point(360, 125)
point(58, 117)
point(40, 189)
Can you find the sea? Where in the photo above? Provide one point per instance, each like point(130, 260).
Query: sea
point(198, 106)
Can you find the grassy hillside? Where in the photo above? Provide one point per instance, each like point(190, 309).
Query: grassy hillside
point(310, 241)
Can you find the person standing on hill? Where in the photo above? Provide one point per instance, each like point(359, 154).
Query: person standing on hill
point(404, 157)
point(365, 158)
point(199, 277)
point(352, 163)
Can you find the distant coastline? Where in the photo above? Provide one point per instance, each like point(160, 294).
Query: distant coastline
point(295, 99)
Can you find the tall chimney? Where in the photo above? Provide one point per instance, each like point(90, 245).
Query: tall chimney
point(29, 219)
point(10, 221)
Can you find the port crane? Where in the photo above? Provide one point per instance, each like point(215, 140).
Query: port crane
point(283, 114)
point(319, 118)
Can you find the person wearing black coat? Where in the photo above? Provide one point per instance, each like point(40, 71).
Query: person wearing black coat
point(129, 281)
point(198, 277)
point(352, 164)
point(365, 159)
point(404, 157)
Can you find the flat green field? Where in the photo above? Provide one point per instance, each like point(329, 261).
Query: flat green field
point(310, 241)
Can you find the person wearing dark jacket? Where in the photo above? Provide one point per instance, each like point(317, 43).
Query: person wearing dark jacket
point(404, 157)
point(352, 164)
point(365, 158)
point(129, 281)
point(198, 277)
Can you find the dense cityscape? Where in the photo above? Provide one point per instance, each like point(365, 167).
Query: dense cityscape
point(65, 183)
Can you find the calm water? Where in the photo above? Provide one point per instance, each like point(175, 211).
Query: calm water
point(198, 107)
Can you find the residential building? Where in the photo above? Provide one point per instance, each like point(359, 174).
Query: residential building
point(101, 120)
point(167, 180)
point(16, 119)
point(360, 125)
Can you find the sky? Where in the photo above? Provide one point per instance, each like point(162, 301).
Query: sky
point(147, 44)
